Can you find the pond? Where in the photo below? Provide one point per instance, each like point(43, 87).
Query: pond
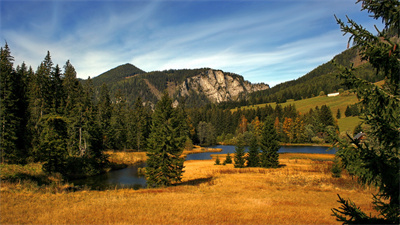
point(129, 178)
point(291, 149)
point(123, 178)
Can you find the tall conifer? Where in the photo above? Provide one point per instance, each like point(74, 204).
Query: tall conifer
point(239, 154)
point(253, 158)
point(165, 145)
point(269, 145)
point(375, 161)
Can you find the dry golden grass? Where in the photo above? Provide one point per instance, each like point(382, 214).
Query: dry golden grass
point(301, 191)
point(126, 157)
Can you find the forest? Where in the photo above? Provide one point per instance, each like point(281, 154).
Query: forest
point(49, 115)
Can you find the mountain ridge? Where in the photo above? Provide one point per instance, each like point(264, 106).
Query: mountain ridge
point(194, 86)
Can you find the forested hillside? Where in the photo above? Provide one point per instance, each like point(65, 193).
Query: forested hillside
point(323, 78)
point(116, 74)
point(196, 87)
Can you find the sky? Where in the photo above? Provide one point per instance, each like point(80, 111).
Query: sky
point(269, 41)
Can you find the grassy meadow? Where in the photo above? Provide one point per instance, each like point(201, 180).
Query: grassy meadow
point(301, 191)
point(337, 102)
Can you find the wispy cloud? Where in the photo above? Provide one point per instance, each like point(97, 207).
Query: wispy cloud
point(265, 41)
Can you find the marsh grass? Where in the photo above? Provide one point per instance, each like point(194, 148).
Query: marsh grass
point(301, 191)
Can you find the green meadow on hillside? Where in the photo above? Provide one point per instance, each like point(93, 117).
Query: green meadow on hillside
point(337, 102)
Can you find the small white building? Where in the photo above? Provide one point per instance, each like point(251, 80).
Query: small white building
point(333, 94)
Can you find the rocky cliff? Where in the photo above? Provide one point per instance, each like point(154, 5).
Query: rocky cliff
point(197, 86)
point(218, 86)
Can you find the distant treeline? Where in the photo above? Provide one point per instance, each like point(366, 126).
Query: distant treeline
point(48, 115)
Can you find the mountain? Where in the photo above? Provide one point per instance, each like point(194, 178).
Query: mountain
point(117, 74)
point(194, 86)
point(323, 78)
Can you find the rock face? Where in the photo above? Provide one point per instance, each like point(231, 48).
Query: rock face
point(218, 86)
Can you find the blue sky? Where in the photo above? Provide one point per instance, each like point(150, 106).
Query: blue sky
point(268, 41)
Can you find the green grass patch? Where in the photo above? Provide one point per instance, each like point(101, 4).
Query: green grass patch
point(348, 124)
point(338, 102)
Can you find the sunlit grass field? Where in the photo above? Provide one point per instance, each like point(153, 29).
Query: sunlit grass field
point(301, 191)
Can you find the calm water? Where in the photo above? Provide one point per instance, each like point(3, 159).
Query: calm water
point(128, 177)
point(231, 149)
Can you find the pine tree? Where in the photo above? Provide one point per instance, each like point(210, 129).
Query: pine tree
point(104, 116)
point(376, 160)
point(119, 122)
point(253, 158)
point(139, 127)
point(53, 144)
point(40, 101)
point(165, 145)
point(228, 159)
point(217, 161)
point(239, 154)
point(347, 113)
point(338, 114)
point(8, 108)
point(73, 109)
point(269, 145)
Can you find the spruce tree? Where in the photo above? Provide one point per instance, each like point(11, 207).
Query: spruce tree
point(239, 154)
point(217, 161)
point(338, 114)
point(104, 116)
point(53, 144)
point(139, 126)
point(376, 161)
point(253, 158)
point(165, 145)
point(119, 122)
point(269, 145)
point(228, 159)
point(8, 108)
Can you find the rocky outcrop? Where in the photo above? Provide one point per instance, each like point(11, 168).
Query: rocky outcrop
point(218, 86)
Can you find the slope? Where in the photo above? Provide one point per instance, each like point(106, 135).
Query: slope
point(323, 78)
point(116, 74)
point(338, 102)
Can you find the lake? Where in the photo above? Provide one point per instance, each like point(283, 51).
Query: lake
point(284, 149)
point(129, 178)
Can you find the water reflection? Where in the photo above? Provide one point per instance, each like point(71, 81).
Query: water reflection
point(123, 178)
point(289, 149)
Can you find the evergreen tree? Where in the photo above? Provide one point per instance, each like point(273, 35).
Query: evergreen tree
point(138, 129)
point(74, 109)
point(239, 154)
point(376, 160)
point(269, 145)
point(53, 144)
point(72, 89)
point(23, 75)
point(91, 141)
point(206, 133)
point(57, 91)
point(347, 112)
point(338, 114)
point(9, 119)
point(217, 161)
point(119, 122)
point(326, 117)
point(253, 159)
point(165, 145)
point(40, 101)
point(228, 159)
point(104, 116)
